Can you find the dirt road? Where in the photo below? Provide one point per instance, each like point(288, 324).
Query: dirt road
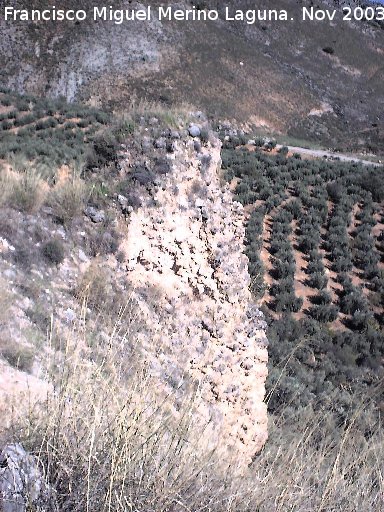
point(319, 153)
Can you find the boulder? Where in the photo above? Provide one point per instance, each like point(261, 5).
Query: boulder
point(22, 486)
point(194, 131)
point(96, 216)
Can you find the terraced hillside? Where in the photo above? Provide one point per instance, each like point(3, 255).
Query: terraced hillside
point(47, 133)
point(315, 241)
point(317, 228)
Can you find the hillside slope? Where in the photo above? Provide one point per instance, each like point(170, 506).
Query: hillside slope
point(274, 75)
point(146, 254)
point(124, 299)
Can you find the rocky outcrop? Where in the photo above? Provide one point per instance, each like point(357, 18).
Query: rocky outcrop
point(190, 278)
point(22, 485)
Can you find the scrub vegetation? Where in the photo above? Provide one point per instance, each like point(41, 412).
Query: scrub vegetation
point(315, 237)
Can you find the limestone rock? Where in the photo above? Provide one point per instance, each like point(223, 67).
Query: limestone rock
point(96, 216)
point(5, 246)
point(161, 143)
point(202, 329)
point(22, 486)
point(194, 131)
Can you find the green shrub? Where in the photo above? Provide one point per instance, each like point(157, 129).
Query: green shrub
point(204, 135)
point(270, 145)
point(317, 280)
point(104, 152)
point(324, 313)
point(287, 302)
point(53, 251)
point(6, 125)
point(372, 181)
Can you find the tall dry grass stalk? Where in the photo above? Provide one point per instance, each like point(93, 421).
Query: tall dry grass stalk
point(23, 190)
point(109, 441)
point(68, 198)
point(6, 186)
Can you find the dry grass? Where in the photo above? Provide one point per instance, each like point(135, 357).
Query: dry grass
point(6, 183)
point(95, 288)
point(109, 444)
point(22, 187)
point(68, 198)
point(173, 116)
point(109, 441)
point(6, 299)
point(23, 190)
point(17, 355)
point(29, 192)
point(317, 467)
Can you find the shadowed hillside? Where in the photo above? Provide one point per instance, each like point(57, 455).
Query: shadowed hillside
point(313, 80)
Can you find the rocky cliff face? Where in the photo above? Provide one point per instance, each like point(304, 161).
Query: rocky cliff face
point(186, 264)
